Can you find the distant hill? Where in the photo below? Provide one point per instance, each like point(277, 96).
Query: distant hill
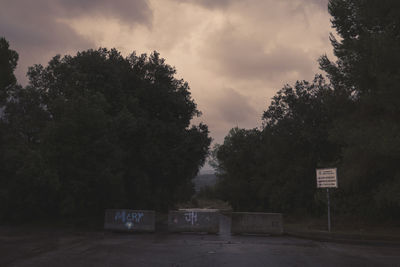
point(203, 180)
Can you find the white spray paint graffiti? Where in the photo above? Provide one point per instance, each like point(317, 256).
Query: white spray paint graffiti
point(129, 225)
point(128, 218)
point(191, 217)
point(134, 216)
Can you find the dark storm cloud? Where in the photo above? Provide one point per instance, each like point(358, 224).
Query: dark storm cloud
point(137, 11)
point(240, 58)
point(253, 46)
point(233, 107)
point(37, 38)
point(211, 4)
point(35, 31)
point(228, 108)
point(320, 3)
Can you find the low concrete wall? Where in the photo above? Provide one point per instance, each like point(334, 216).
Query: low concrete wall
point(129, 220)
point(256, 223)
point(194, 220)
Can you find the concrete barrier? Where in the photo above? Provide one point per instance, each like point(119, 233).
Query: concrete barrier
point(194, 220)
point(256, 223)
point(129, 220)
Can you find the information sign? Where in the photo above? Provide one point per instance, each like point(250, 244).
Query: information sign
point(327, 178)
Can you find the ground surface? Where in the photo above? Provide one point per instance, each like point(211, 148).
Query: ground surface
point(61, 247)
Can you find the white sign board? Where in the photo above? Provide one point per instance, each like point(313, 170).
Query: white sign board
point(326, 178)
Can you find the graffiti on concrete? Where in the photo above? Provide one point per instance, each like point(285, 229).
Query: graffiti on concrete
point(128, 218)
point(191, 217)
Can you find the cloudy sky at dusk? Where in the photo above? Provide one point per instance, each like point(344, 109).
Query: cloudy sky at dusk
point(235, 54)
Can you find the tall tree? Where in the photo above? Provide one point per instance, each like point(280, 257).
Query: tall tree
point(351, 123)
point(238, 163)
point(27, 186)
point(96, 131)
point(119, 127)
point(8, 63)
point(367, 69)
point(273, 169)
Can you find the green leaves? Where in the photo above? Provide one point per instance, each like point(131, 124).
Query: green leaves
point(110, 132)
point(8, 63)
point(273, 169)
point(367, 67)
point(351, 123)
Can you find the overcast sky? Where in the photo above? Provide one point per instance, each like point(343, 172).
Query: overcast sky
point(235, 54)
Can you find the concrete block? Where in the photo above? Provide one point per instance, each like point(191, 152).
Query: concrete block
point(129, 220)
point(256, 223)
point(194, 220)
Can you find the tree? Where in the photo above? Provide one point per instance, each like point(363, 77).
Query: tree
point(28, 187)
point(8, 63)
point(98, 130)
point(368, 56)
point(351, 123)
point(238, 162)
point(273, 169)
point(122, 124)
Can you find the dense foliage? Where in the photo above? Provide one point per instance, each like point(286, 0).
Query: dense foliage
point(96, 131)
point(351, 123)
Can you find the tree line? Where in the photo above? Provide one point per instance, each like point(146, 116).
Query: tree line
point(349, 120)
point(93, 131)
point(98, 130)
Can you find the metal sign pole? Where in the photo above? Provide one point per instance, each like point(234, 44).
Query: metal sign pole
point(329, 210)
point(327, 178)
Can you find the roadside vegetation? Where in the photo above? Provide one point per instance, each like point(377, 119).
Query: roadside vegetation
point(348, 119)
point(93, 131)
point(97, 130)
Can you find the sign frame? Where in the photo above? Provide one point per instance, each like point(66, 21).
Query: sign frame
point(327, 178)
